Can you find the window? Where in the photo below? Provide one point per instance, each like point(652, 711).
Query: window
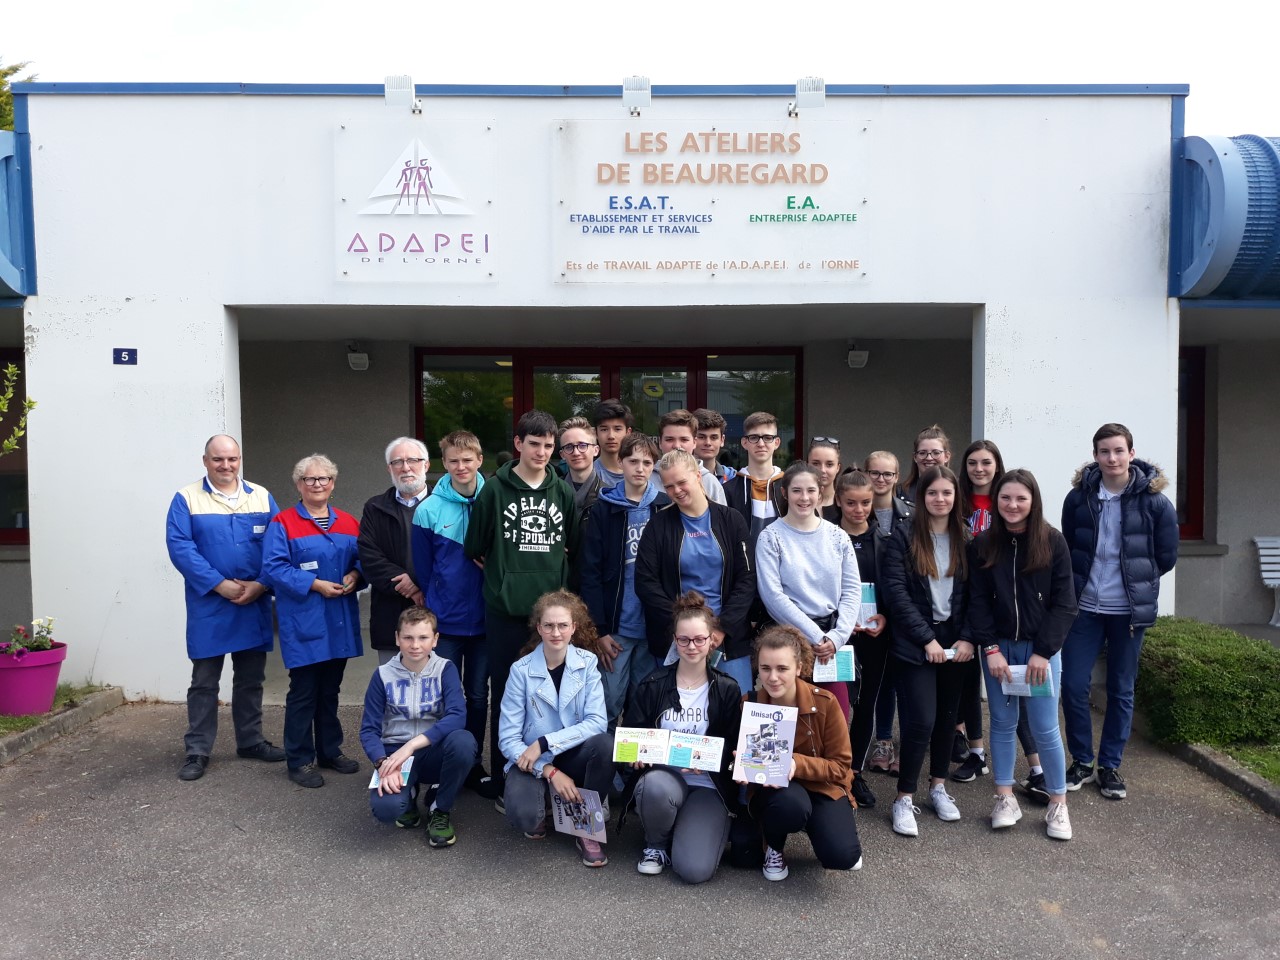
point(1191, 416)
point(14, 509)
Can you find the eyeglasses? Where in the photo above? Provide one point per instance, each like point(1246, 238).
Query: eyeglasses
point(760, 437)
point(399, 462)
point(834, 441)
point(317, 481)
point(557, 627)
point(693, 641)
point(569, 448)
point(930, 454)
point(882, 474)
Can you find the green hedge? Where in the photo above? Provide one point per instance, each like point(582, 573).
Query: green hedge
point(1201, 683)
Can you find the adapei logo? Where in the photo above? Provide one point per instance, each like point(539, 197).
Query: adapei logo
point(416, 184)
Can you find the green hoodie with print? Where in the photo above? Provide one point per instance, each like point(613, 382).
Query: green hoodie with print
point(523, 534)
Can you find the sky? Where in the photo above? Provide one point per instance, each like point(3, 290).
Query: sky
point(1216, 48)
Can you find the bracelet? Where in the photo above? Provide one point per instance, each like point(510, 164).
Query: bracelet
point(991, 650)
point(549, 771)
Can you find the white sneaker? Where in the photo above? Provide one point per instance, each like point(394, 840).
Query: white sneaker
point(858, 865)
point(653, 861)
point(775, 865)
point(1006, 812)
point(944, 805)
point(904, 817)
point(1056, 822)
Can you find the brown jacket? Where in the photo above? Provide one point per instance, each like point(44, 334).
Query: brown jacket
point(822, 753)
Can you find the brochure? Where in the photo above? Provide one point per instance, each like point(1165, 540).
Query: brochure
point(765, 740)
point(868, 609)
point(667, 748)
point(585, 819)
point(404, 772)
point(640, 745)
point(689, 751)
point(1019, 687)
point(842, 666)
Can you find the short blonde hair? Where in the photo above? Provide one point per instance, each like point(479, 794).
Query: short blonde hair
point(328, 466)
point(679, 458)
point(462, 440)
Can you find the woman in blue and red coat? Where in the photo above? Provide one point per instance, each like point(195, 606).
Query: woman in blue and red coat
point(309, 557)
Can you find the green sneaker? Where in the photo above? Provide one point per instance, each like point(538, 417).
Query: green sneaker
point(440, 830)
point(410, 820)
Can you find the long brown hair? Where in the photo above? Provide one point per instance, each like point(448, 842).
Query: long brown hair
point(584, 628)
point(966, 485)
point(994, 545)
point(922, 539)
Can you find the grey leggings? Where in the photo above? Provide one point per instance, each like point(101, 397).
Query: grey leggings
point(689, 822)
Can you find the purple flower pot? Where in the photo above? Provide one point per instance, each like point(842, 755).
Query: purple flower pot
point(28, 682)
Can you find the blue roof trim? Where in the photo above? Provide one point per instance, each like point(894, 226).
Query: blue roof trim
point(18, 302)
point(17, 238)
point(612, 90)
point(1177, 132)
point(1228, 218)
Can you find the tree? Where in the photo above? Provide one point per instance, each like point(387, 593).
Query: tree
point(6, 95)
point(10, 443)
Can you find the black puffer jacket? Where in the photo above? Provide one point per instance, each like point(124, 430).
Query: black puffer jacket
point(910, 600)
point(1039, 606)
point(1148, 533)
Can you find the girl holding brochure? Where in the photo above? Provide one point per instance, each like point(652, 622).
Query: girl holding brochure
point(1022, 605)
point(925, 566)
point(855, 498)
point(807, 573)
point(817, 799)
point(552, 730)
point(685, 813)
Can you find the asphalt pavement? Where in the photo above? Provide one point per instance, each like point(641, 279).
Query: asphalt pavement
point(107, 854)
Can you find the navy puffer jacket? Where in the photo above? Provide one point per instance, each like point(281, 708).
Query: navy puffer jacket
point(1148, 533)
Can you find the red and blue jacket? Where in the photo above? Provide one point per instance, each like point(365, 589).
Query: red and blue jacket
point(296, 552)
point(209, 541)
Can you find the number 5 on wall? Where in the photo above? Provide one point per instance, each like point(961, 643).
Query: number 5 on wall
point(126, 355)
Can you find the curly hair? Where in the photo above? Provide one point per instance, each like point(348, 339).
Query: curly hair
point(584, 629)
point(779, 637)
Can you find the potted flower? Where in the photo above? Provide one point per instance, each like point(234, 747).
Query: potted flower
point(29, 667)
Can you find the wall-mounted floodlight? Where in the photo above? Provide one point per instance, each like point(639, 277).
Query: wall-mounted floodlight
point(636, 93)
point(398, 93)
point(811, 92)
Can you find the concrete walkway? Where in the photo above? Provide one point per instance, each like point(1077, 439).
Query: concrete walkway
point(107, 854)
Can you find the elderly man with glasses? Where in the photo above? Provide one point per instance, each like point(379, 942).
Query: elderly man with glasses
point(386, 554)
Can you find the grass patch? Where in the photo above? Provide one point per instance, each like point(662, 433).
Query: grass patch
point(1262, 760)
point(68, 696)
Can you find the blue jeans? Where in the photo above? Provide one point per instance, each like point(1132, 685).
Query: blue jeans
point(1089, 635)
point(740, 669)
point(632, 665)
point(446, 763)
point(471, 656)
point(1042, 715)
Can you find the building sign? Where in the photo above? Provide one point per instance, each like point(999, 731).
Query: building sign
point(414, 200)
point(711, 202)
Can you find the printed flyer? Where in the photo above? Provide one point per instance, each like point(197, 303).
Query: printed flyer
point(868, 609)
point(843, 666)
point(640, 745)
point(585, 819)
point(404, 772)
point(689, 751)
point(765, 741)
point(667, 748)
point(1017, 685)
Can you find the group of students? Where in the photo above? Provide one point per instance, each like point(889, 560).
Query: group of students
point(653, 586)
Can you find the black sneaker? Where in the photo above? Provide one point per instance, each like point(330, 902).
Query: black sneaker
point(193, 767)
point(264, 750)
point(339, 764)
point(1078, 774)
point(1034, 785)
point(862, 792)
point(307, 776)
point(959, 748)
point(490, 788)
point(974, 766)
point(1111, 783)
point(475, 776)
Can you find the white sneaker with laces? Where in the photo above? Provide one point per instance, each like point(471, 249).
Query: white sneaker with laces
point(775, 865)
point(904, 817)
point(1006, 811)
point(653, 861)
point(944, 805)
point(1056, 822)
